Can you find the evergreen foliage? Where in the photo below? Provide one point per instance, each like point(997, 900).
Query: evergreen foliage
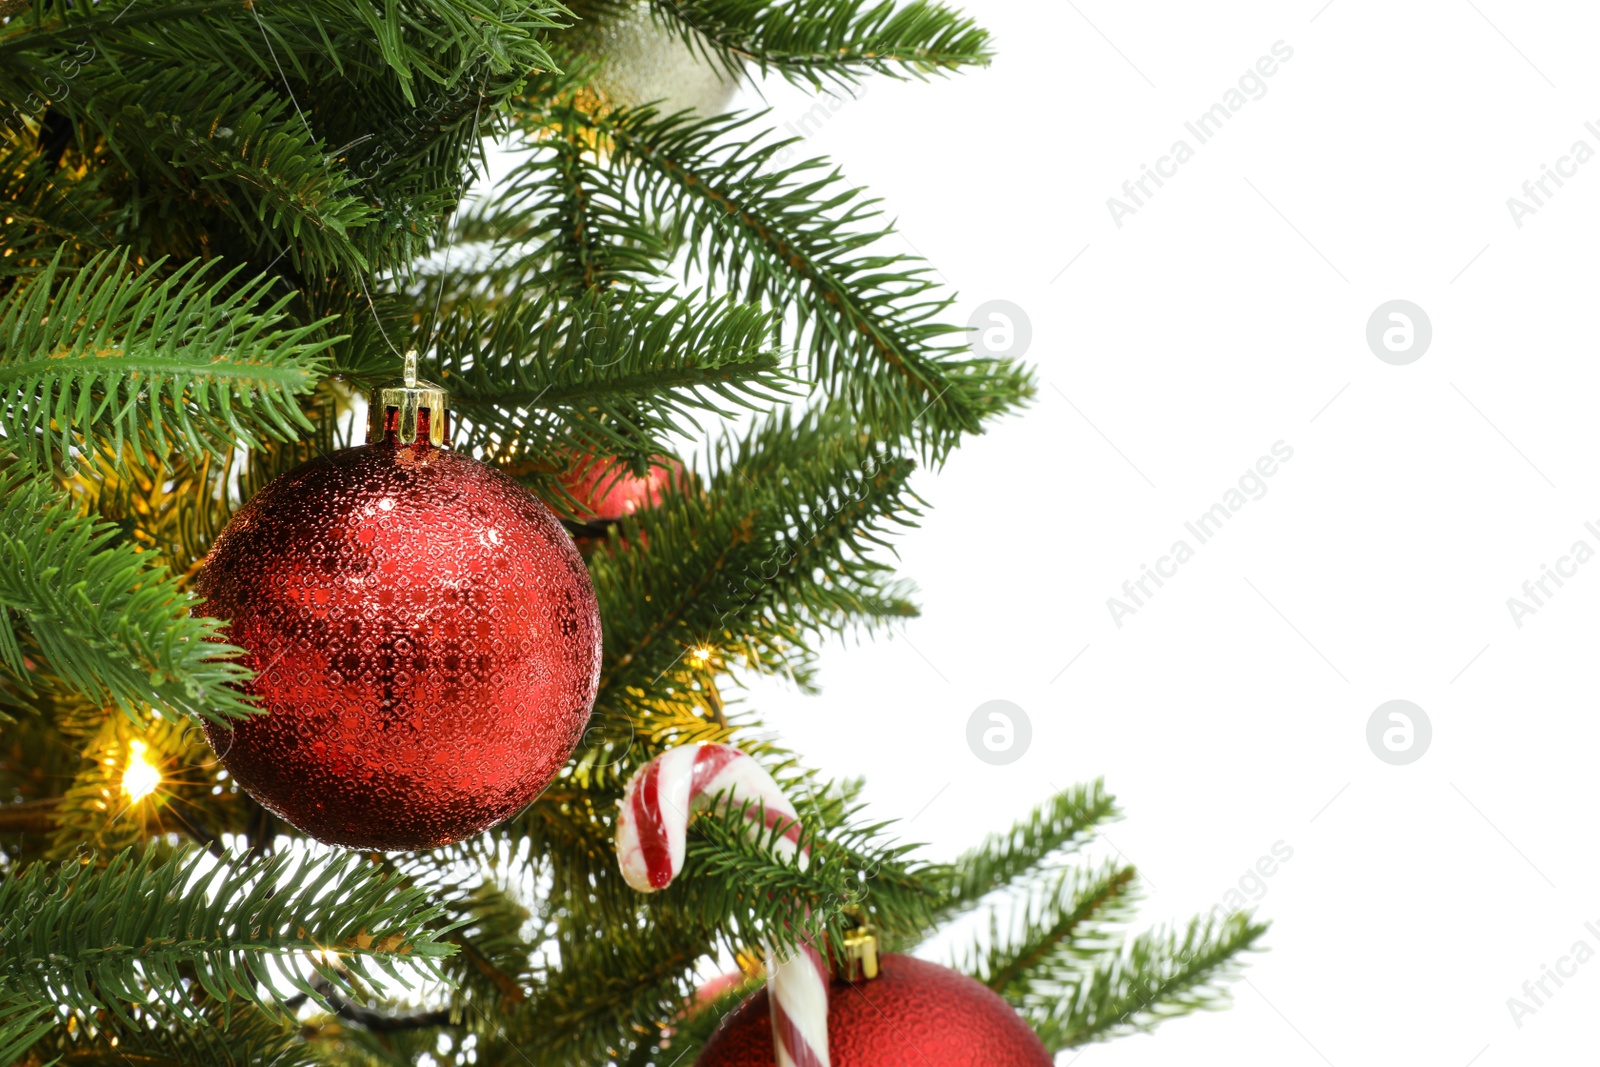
point(222, 222)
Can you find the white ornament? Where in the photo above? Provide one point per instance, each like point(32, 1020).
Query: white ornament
point(643, 61)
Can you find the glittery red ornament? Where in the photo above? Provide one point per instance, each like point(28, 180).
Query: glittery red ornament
point(914, 1014)
point(425, 637)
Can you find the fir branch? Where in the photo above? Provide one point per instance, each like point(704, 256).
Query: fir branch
point(1048, 937)
point(29, 817)
point(24, 1020)
point(416, 42)
point(574, 825)
point(1059, 825)
point(114, 627)
point(332, 1043)
point(233, 1033)
point(54, 24)
point(194, 360)
point(817, 41)
point(213, 135)
point(177, 511)
point(1161, 975)
point(44, 211)
point(563, 218)
point(605, 995)
point(777, 549)
point(634, 724)
point(605, 374)
point(147, 926)
point(482, 918)
point(736, 884)
point(798, 238)
point(212, 119)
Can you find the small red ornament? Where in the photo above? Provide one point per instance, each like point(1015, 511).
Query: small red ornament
point(425, 637)
point(606, 489)
point(707, 992)
point(914, 1014)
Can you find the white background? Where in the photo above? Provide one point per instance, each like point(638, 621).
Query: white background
point(1227, 314)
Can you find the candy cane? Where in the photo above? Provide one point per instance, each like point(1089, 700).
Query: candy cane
point(652, 835)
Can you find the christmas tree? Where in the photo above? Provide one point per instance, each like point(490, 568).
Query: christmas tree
point(224, 223)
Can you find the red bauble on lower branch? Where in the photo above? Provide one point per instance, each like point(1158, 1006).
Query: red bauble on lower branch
point(914, 1014)
point(425, 638)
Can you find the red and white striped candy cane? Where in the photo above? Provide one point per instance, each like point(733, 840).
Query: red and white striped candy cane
point(652, 833)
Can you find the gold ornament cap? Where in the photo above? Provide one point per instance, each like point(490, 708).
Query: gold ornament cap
point(409, 408)
point(860, 950)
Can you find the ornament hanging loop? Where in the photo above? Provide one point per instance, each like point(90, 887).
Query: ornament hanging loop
point(410, 409)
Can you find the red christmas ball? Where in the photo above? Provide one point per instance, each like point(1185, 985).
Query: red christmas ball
point(425, 639)
point(914, 1014)
point(606, 490)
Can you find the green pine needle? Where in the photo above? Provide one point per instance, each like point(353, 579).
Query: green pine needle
point(818, 41)
point(605, 374)
point(150, 361)
point(1161, 975)
point(23, 1021)
point(233, 1033)
point(1057, 827)
point(107, 620)
point(154, 927)
point(1053, 935)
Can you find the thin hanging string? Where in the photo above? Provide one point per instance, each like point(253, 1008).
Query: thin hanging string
point(371, 306)
point(444, 266)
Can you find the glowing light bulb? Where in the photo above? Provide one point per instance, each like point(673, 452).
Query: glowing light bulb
point(702, 654)
point(142, 777)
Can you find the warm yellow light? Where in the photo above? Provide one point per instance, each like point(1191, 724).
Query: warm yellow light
point(142, 777)
point(702, 654)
